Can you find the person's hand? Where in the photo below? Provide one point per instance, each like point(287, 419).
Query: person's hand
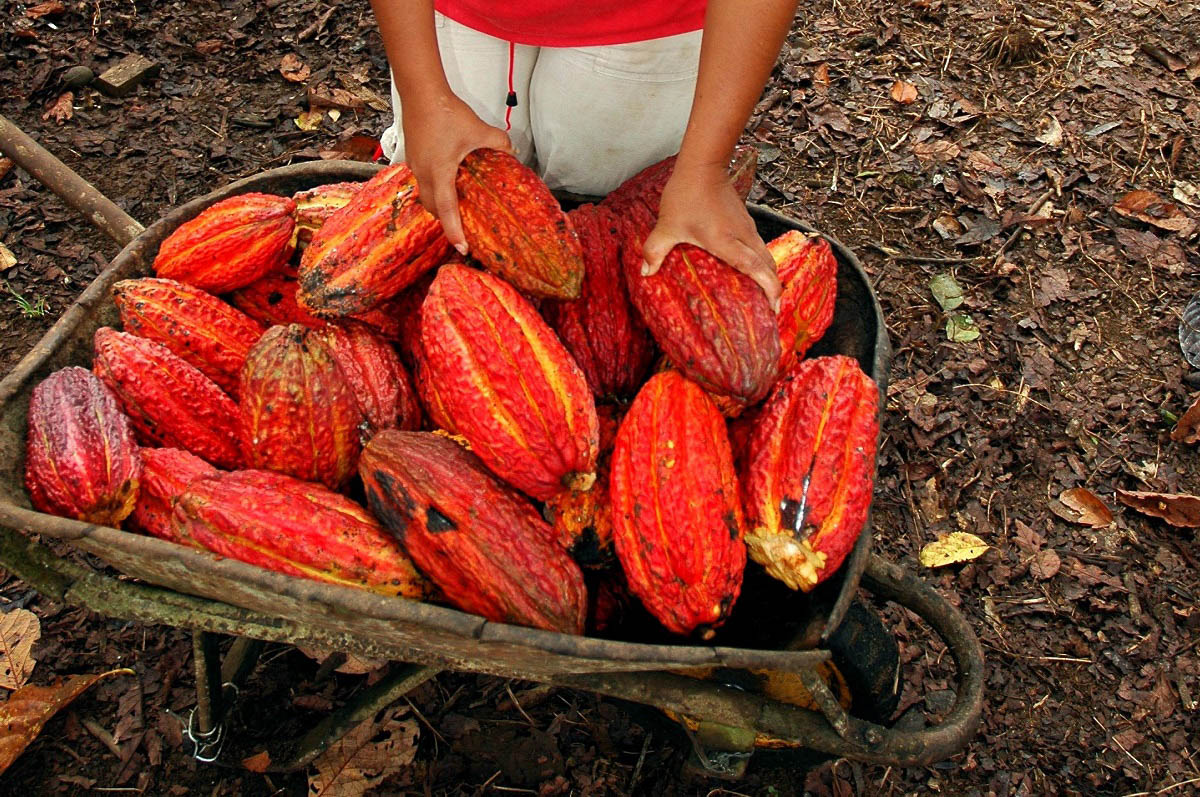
point(437, 136)
point(700, 206)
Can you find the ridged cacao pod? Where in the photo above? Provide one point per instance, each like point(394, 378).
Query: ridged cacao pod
point(169, 401)
point(601, 329)
point(647, 185)
point(407, 310)
point(316, 205)
point(515, 227)
point(376, 376)
point(81, 459)
point(299, 415)
point(676, 511)
point(272, 301)
point(510, 387)
point(477, 539)
point(808, 271)
point(199, 327)
point(431, 399)
point(297, 528)
point(582, 523)
point(810, 469)
point(166, 473)
point(229, 244)
point(371, 249)
point(712, 321)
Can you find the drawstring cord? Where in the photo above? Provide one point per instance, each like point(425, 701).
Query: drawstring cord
point(511, 100)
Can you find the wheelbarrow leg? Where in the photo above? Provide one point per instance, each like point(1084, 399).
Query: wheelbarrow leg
point(204, 727)
point(299, 753)
point(718, 751)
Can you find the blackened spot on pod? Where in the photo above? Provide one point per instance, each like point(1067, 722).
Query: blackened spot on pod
point(436, 522)
point(380, 500)
point(274, 298)
point(586, 548)
point(732, 524)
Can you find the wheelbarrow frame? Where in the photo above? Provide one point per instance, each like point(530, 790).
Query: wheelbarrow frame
point(198, 590)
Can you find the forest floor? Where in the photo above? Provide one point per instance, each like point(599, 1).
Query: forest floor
point(996, 143)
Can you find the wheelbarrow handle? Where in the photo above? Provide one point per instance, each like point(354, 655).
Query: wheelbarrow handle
point(798, 727)
point(69, 186)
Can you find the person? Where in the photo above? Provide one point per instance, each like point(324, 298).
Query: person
point(589, 93)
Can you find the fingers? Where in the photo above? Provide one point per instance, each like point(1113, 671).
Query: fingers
point(658, 245)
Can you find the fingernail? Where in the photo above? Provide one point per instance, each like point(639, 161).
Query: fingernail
point(462, 249)
point(645, 269)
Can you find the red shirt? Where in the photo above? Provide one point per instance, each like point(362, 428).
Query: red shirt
point(578, 23)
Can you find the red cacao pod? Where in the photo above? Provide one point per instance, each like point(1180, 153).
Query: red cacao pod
point(510, 387)
point(515, 227)
point(166, 473)
point(316, 205)
point(647, 185)
point(810, 469)
point(299, 415)
point(199, 327)
point(169, 401)
point(808, 271)
point(371, 249)
point(676, 511)
point(477, 539)
point(81, 459)
point(407, 310)
point(712, 321)
point(376, 376)
point(582, 522)
point(294, 527)
point(272, 300)
point(601, 329)
point(229, 244)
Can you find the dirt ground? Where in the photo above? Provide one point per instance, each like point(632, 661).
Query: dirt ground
point(996, 143)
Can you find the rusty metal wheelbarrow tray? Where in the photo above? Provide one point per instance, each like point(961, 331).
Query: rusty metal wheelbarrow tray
point(187, 588)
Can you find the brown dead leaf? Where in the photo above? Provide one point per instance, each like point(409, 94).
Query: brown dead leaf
point(19, 629)
point(821, 74)
point(1049, 131)
point(936, 151)
point(209, 46)
point(6, 165)
point(28, 709)
point(45, 9)
point(1084, 507)
point(293, 69)
point(61, 109)
point(353, 665)
point(1176, 509)
point(365, 756)
point(334, 97)
point(904, 92)
point(1187, 430)
point(1148, 207)
point(958, 546)
point(258, 762)
point(1045, 564)
point(7, 258)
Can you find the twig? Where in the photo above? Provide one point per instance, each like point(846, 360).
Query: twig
point(903, 258)
point(316, 27)
point(104, 736)
point(1017, 233)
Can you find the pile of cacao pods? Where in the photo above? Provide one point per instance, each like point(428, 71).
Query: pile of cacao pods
point(320, 385)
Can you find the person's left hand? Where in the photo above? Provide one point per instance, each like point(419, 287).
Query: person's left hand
point(700, 206)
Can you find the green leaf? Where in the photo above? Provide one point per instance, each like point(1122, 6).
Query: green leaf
point(946, 291)
point(961, 329)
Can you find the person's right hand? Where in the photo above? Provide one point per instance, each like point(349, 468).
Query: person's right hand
point(437, 136)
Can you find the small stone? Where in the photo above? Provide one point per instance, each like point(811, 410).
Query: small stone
point(1193, 379)
point(77, 77)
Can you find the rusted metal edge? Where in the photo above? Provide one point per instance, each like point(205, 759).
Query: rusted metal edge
point(69, 186)
point(862, 741)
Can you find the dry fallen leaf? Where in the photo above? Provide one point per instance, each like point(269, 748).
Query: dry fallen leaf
point(1045, 564)
point(208, 46)
point(904, 92)
point(1175, 508)
point(310, 120)
point(45, 9)
point(1187, 429)
point(258, 762)
point(821, 74)
point(7, 258)
point(293, 69)
point(936, 151)
point(958, 546)
point(19, 629)
point(61, 110)
point(28, 709)
point(364, 757)
point(1148, 207)
point(1081, 505)
point(353, 665)
point(1049, 132)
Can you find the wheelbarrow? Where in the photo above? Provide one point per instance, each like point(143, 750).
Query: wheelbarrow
point(812, 673)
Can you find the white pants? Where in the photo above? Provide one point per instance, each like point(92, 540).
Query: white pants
point(586, 117)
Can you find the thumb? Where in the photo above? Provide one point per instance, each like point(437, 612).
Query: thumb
point(446, 209)
point(658, 245)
